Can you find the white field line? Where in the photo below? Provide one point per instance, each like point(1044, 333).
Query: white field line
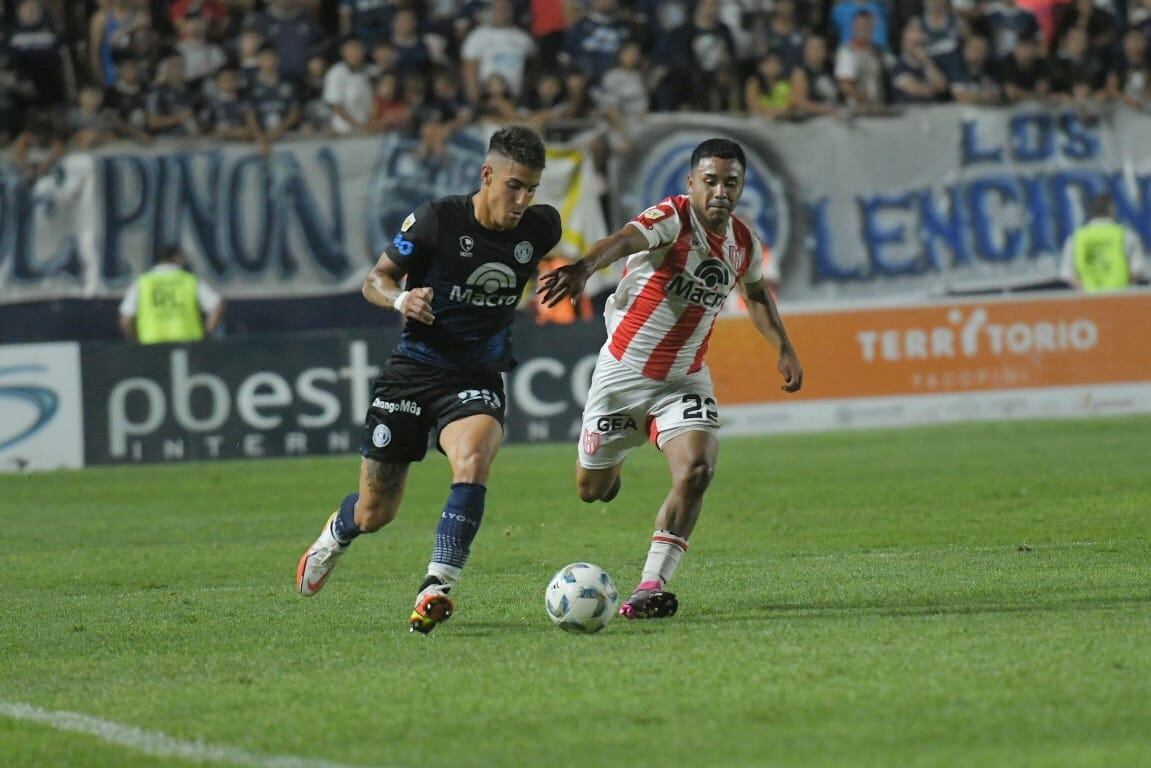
point(154, 743)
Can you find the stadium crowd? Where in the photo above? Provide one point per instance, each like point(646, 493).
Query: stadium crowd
point(80, 73)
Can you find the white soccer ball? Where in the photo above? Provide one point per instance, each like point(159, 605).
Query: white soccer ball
point(581, 598)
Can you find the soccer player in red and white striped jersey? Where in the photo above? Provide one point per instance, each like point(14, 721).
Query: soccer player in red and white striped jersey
point(684, 256)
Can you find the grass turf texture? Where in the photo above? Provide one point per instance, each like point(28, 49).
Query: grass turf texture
point(969, 595)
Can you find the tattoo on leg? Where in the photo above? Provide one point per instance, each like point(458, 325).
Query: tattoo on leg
point(385, 479)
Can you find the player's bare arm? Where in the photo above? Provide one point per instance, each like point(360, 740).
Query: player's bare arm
point(568, 281)
point(761, 309)
point(382, 288)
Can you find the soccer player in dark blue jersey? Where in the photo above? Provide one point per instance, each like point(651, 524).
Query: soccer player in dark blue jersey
point(465, 261)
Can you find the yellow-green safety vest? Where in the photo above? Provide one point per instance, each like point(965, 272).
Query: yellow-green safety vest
point(168, 310)
point(1100, 260)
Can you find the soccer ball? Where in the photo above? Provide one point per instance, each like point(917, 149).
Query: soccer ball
point(581, 598)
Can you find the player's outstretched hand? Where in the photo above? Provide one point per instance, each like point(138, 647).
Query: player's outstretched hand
point(418, 306)
point(791, 370)
point(567, 282)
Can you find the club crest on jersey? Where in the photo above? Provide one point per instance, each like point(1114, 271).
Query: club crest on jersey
point(590, 442)
point(737, 257)
point(466, 246)
point(408, 222)
point(524, 251)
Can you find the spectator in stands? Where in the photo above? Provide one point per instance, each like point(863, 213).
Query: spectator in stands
point(15, 92)
point(288, 26)
point(497, 47)
point(169, 104)
point(544, 103)
point(1139, 17)
point(1077, 73)
point(550, 19)
point(916, 78)
point(623, 97)
point(1130, 78)
point(978, 81)
point(767, 91)
point(316, 117)
point(226, 115)
point(38, 147)
point(496, 103)
point(944, 35)
point(384, 59)
point(201, 58)
point(169, 304)
point(370, 20)
point(1024, 72)
point(38, 55)
point(670, 75)
point(412, 54)
point(859, 66)
point(215, 15)
point(1096, 23)
point(1102, 255)
point(109, 32)
point(441, 115)
point(248, 46)
point(274, 100)
point(843, 15)
point(92, 124)
point(348, 89)
point(783, 35)
point(1007, 23)
point(390, 112)
point(127, 97)
point(814, 92)
point(592, 44)
point(715, 79)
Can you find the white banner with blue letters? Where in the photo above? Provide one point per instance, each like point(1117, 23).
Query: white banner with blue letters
point(309, 219)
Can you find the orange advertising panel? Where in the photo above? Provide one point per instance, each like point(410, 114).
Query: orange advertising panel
point(943, 348)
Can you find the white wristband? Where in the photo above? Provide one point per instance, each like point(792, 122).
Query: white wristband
point(398, 302)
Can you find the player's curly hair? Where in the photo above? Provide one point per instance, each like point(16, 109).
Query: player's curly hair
point(519, 144)
point(724, 149)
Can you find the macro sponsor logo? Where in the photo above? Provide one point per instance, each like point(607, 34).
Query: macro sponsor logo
point(43, 404)
point(973, 333)
point(708, 286)
point(490, 285)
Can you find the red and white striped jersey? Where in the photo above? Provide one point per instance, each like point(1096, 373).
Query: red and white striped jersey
point(662, 313)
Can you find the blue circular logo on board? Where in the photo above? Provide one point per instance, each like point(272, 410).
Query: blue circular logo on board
point(42, 402)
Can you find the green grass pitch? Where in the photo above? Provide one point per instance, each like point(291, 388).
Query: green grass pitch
point(974, 595)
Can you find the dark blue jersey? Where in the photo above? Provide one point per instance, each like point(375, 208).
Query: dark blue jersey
point(477, 276)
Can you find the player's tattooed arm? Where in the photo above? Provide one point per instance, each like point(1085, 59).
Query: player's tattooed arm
point(568, 281)
point(382, 288)
point(761, 308)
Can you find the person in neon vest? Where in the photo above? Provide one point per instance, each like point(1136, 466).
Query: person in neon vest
point(1102, 255)
point(169, 304)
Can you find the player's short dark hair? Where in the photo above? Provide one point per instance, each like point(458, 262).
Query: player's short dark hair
point(519, 144)
point(724, 149)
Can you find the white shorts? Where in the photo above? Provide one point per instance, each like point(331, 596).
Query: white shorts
point(625, 408)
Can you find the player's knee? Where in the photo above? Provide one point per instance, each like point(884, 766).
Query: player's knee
point(372, 515)
point(472, 467)
point(697, 478)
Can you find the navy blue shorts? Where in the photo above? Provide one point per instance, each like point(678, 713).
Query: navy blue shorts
point(411, 400)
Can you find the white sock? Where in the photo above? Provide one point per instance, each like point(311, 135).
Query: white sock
point(448, 574)
point(663, 558)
